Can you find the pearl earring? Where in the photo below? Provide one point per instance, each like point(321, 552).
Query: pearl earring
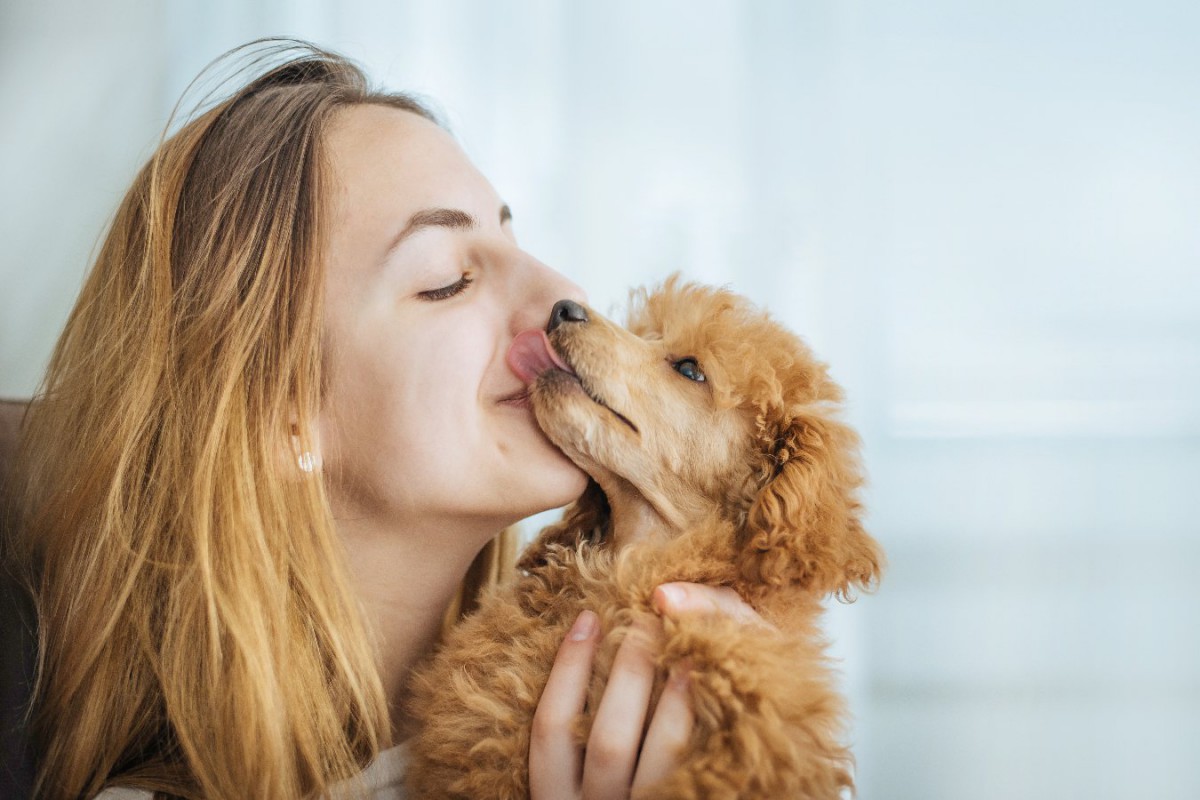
point(305, 460)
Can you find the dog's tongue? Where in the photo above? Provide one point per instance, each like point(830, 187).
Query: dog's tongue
point(530, 354)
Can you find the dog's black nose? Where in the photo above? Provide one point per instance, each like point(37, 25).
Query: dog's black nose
point(566, 311)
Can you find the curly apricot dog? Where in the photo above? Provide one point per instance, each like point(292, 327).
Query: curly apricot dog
point(711, 436)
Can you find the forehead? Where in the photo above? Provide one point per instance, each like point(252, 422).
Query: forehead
point(378, 152)
point(364, 131)
point(692, 314)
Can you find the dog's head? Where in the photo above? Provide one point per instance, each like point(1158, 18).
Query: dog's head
point(704, 405)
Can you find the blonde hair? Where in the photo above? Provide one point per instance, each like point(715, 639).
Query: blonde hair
point(199, 633)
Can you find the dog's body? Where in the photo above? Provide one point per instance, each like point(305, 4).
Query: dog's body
point(709, 434)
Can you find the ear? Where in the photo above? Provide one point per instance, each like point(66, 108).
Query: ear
point(585, 520)
point(803, 528)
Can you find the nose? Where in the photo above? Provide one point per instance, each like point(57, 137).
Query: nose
point(566, 311)
point(535, 288)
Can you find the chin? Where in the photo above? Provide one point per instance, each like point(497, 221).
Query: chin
point(535, 476)
point(557, 481)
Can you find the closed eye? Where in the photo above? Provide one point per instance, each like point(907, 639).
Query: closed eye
point(447, 292)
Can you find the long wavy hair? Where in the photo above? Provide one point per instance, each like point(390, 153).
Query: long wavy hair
point(199, 634)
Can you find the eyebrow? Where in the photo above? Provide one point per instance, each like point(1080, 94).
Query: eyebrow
point(452, 218)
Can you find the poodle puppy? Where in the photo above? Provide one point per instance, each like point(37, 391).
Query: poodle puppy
point(711, 436)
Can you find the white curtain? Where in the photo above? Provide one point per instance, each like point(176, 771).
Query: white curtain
point(984, 215)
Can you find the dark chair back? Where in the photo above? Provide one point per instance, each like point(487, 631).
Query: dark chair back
point(17, 637)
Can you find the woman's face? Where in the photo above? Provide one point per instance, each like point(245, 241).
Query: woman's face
point(423, 422)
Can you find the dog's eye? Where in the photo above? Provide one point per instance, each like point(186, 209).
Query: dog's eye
point(690, 369)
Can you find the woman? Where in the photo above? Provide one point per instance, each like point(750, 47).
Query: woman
point(275, 435)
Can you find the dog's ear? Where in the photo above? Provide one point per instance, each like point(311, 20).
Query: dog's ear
point(585, 520)
point(803, 527)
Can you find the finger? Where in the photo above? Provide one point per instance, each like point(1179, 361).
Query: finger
point(555, 761)
point(670, 729)
point(675, 599)
point(616, 734)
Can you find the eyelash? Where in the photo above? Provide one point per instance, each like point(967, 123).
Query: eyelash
point(446, 292)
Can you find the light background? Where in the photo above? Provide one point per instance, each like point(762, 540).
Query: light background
point(983, 214)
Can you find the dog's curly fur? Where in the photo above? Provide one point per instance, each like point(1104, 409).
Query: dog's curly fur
point(749, 480)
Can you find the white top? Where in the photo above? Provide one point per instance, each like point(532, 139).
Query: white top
point(382, 780)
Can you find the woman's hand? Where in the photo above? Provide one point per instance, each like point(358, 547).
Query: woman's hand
point(617, 761)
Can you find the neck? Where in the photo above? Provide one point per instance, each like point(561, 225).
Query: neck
point(645, 515)
point(405, 577)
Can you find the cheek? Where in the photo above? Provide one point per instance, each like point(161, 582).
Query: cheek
point(439, 353)
point(400, 387)
point(718, 457)
point(439, 383)
point(687, 435)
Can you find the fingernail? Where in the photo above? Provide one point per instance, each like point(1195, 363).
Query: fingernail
point(672, 596)
point(585, 626)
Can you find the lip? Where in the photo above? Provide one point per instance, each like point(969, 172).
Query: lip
point(531, 356)
point(609, 408)
point(518, 399)
point(574, 379)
